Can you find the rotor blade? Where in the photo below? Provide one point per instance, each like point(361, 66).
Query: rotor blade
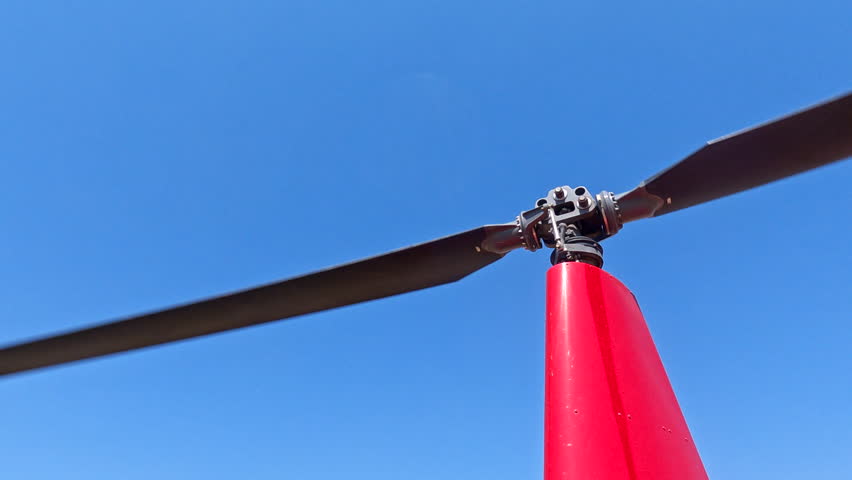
point(426, 265)
point(811, 138)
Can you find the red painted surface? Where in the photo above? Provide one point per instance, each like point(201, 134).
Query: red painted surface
point(610, 412)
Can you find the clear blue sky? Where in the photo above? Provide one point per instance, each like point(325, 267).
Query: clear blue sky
point(153, 153)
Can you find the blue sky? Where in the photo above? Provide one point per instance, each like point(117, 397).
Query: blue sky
point(156, 152)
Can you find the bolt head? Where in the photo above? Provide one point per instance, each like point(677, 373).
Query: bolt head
point(558, 192)
point(583, 202)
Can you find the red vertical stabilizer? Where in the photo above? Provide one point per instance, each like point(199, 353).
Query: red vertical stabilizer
point(610, 412)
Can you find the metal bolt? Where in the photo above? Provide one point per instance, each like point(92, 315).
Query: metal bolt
point(559, 193)
point(583, 202)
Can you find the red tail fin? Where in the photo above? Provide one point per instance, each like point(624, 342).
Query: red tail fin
point(610, 412)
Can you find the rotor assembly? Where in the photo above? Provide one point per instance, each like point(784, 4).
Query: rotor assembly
point(571, 221)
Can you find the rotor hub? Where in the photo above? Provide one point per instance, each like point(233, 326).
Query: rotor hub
point(568, 212)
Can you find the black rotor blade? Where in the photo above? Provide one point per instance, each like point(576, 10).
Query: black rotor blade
point(421, 266)
point(808, 139)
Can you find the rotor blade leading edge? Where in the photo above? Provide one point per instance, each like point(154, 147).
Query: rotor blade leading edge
point(802, 141)
point(413, 268)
